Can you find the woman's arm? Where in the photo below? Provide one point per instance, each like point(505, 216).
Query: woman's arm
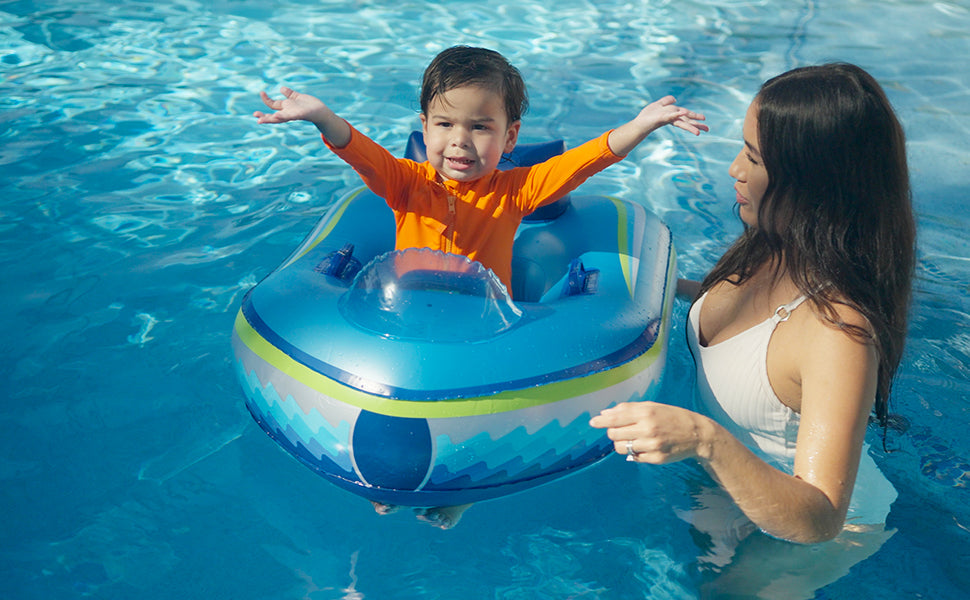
point(688, 289)
point(838, 379)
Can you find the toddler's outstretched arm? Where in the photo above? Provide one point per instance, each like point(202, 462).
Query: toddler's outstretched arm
point(303, 107)
point(626, 137)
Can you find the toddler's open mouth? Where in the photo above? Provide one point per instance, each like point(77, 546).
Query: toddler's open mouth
point(460, 162)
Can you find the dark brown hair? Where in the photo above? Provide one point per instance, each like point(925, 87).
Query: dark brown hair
point(461, 66)
point(837, 211)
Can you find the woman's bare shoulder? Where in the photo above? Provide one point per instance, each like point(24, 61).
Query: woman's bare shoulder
point(838, 349)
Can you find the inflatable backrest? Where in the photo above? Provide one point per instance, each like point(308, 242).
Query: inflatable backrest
point(522, 155)
point(543, 252)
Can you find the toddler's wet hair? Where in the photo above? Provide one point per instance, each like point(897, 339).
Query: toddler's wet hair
point(461, 66)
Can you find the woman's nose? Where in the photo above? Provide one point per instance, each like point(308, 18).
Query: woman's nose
point(734, 169)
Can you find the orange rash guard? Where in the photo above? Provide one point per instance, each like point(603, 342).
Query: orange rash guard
point(477, 219)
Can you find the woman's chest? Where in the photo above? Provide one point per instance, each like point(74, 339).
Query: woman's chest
point(751, 325)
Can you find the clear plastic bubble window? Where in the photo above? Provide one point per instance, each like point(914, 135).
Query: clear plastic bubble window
point(429, 295)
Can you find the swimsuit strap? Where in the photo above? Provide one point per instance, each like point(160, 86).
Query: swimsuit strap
point(784, 311)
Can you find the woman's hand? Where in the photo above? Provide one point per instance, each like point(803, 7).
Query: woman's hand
point(789, 507)
point(656, 433)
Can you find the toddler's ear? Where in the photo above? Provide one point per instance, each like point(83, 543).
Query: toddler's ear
point(512, 136)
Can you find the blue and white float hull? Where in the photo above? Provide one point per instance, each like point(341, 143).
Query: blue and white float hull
point(410, 378)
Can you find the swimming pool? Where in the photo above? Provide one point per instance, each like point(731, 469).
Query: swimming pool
point(139, 201)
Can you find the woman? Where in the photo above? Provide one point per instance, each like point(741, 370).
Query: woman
point(798, 330)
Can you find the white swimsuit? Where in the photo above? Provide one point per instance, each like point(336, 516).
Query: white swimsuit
point(732, 388)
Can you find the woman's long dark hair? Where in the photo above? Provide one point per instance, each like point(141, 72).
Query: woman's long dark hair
point(837, 212)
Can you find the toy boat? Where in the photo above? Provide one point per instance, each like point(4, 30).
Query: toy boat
point(411, 378)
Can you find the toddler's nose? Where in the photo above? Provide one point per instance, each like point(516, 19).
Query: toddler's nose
point(460, 137)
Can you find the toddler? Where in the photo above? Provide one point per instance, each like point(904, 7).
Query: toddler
point(472, 100)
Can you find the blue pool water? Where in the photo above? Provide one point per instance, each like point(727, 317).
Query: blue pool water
point(139, 201)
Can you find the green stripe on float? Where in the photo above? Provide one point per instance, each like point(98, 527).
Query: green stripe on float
point(334, 219)
point(504, 401)
point(623, 244)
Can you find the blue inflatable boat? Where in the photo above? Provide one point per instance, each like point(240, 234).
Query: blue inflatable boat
point(411, 378)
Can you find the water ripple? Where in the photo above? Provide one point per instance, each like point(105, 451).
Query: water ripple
point(139, 201)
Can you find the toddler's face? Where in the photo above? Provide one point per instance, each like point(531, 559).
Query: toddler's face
point(466, 131)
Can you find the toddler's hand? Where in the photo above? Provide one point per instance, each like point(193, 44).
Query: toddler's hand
point(293, 107)
point(665, 112)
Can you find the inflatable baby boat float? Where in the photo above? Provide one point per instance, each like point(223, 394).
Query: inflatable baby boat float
point(412, 378)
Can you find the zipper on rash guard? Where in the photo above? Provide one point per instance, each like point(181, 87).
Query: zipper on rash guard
point(450, 231)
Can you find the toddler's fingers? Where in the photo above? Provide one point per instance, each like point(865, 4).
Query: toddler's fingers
point(268, 101)
point(700, 126)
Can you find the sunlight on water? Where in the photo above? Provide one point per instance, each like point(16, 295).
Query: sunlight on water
point(140, 201)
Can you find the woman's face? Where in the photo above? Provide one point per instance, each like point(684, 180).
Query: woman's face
point(748, 169)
